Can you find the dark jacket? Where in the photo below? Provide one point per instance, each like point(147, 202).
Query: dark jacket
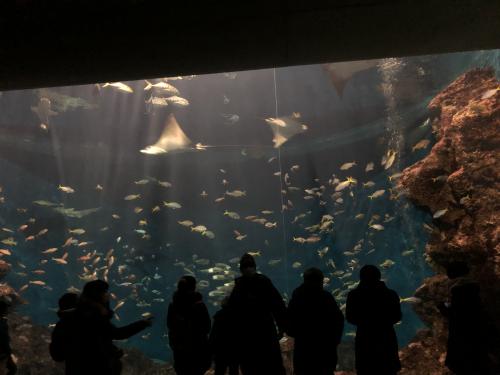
point(258, 309)
point(188, 324)
point(316, 323)
point(84, 340)
point(467, 339)
point(223, 334)
point(5, 350)
point(374, 309)
point(62, 334)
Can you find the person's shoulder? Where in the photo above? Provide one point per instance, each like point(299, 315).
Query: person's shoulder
point(198, 298)
point(392, 294)
point(327, 296)
point(353, 293)
point(298, 292)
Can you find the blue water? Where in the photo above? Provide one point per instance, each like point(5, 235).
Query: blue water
point(381, 109)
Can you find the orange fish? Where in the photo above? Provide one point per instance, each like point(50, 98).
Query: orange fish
point(68, 242)
point(30, 238)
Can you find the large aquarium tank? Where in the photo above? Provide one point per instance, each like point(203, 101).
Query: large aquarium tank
point(141, 182)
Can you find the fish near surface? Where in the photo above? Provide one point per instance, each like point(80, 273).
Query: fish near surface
point(342, 72)
point(44, 111)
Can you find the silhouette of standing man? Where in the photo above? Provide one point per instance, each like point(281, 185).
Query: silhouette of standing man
point(316, 323)
point(188, 324)
point(258, 308)
point(374, 309)
point(467, 351)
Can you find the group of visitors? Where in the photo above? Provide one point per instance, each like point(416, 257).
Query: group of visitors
point(245, 333)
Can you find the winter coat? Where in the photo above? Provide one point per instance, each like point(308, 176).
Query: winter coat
point(374, 309)
point(83, 339)
point(260, 316)
point(316, 323)
point(188, 324)
point(467, 339)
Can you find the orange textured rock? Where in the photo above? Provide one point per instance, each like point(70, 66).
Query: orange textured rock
point(467, 124)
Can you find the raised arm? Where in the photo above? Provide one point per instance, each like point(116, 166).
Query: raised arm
point(122, 333)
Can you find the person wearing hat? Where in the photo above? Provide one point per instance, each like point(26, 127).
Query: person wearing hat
point(89, 339)
point(374, 309)
point(259, 317)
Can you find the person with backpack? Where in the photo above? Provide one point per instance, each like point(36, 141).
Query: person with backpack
point(188, 324)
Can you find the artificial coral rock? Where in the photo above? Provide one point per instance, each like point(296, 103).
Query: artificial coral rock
point(466, 120)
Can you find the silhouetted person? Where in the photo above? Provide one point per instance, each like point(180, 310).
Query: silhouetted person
point(316, 323)
point(188, 324)
point(90, 348)
point(222, 341)
point(374, 309)
point(467, 348)
point(64, 329)
point(259, 311)
point(7, 365)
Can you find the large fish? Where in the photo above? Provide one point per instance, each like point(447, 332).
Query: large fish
point(172, 138)
point(342, 72)
point(285, 128)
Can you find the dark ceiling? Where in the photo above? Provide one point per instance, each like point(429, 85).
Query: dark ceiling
point(62, 42)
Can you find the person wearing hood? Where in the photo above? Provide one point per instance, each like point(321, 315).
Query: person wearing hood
point(316, 323)
point(374, 309)
point(89, 334)
point(188, 324)
point(260, 321)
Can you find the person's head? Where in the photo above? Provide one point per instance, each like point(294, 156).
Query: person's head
point(96, 291)
point(369, 274)
point(247, 264)
point(457, 269)
point(313, 277)
point(68, 301)
point(186, 284)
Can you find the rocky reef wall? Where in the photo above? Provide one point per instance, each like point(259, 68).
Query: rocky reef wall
point(459, 183)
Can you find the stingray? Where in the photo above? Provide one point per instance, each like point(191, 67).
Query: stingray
point(341, 73)
point(285, 128)
point(172, 138)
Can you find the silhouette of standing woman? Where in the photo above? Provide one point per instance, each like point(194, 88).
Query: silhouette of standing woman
point(467, 351)
point(188, 325)
point(374, 309)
